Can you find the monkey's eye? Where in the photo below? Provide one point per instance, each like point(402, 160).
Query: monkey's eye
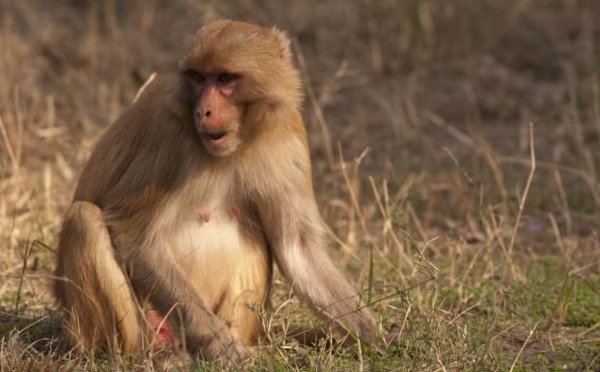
point(226, 78)
point(195, 76)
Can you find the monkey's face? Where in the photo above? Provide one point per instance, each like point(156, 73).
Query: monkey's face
point(237, 71)
point(217, 115)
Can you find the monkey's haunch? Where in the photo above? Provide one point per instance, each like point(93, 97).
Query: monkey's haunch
point(165, 337)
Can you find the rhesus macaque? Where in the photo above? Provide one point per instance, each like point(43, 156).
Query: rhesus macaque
point(188, 199)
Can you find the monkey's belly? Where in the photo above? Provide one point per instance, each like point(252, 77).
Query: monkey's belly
point(223, 261)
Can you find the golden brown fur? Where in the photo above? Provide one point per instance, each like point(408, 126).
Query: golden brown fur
point(188, 199)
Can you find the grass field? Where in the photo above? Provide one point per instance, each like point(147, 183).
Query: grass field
point(456, 157)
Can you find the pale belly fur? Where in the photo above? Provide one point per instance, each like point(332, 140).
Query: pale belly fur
point(219, 257)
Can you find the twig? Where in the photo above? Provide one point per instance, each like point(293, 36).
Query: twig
point(525, 192)
point(11, 153)
point(523, 346)
point(144, 86)
point(25, 257)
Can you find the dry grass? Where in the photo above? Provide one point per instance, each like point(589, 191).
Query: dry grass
point(476, 252)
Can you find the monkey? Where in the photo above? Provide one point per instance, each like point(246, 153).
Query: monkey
point(190, 199)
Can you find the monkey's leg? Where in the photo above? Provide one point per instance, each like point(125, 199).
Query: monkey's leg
point(246, 294)
point(91, 286)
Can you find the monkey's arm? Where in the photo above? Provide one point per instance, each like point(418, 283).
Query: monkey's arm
point(295, 233)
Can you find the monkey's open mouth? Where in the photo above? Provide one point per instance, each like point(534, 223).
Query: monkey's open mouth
point(216, 135)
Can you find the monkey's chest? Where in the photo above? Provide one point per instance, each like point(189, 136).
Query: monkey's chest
point(218, 254)
point(211, 237)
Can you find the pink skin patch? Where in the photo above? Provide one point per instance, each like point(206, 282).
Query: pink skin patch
point(165, 338)
point(235, 211)
point(205, 214)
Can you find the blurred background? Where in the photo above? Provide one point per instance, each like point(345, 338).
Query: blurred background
point(421, 115)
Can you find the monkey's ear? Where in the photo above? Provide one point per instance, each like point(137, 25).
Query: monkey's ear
point(284, 44)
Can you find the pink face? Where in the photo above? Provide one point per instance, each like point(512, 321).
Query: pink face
point(216, 114)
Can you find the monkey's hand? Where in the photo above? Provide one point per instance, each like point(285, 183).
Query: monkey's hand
point(234, 352)
point(224, 347)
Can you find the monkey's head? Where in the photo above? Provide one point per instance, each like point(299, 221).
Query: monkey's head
point(235, 71)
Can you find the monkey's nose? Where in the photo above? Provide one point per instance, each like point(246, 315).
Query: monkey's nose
point(207, 113)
